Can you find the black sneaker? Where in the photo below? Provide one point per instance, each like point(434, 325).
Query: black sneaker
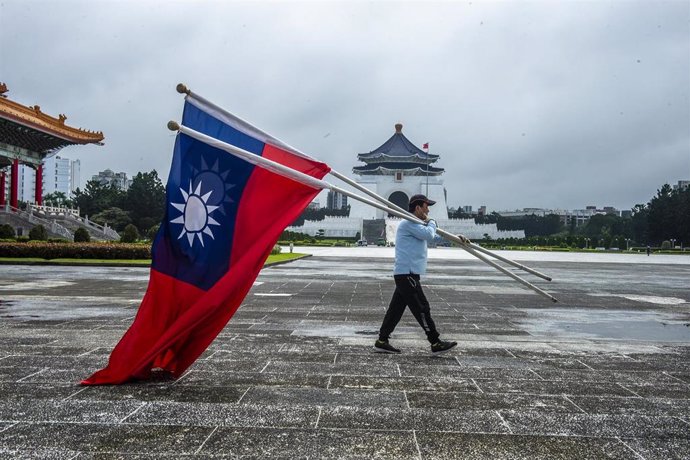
point(384, 347)
point(442, 347)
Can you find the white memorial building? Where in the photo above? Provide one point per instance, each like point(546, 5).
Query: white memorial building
point(396, 171)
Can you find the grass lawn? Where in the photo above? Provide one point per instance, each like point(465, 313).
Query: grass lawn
point(272, 260)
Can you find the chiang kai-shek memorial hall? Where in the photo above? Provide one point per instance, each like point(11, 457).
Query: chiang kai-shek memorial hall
point(396, 170)
point(28, 136)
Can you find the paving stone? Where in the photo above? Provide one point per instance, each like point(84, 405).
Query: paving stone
point(483, 401)
point(324, 397)
point(105, 438)
point(465, 372)
point(632, 405)
point(594, 425)
point(66, 411)
point(332, 369)
point(552, 387)
point(13, 341)
point(447, 446)
point(231, 365)
point(55, 362)
point(174, 392)
point(685, 377)
point(11, 390)
point(482, 421)
point(660, 448)
point(262, 443)
point(438, 384)
point(61, 376)
point(13, 374)
point(43, 454)
point(385, 359)
point(242, 415)
point(42, 350)
point(623, 377)
point(272, 355)
point(222, 379)
point(669, 390)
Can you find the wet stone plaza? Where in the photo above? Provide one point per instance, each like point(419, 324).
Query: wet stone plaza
point(604, 373)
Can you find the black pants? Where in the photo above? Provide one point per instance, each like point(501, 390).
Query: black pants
point(408, 293)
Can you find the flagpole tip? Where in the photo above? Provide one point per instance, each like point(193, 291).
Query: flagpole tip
point(182, 89)
point(173, 126)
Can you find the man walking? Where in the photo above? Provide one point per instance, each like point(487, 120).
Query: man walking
point(410, 262)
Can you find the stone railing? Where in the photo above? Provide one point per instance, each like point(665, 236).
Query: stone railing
point(72, 214)
point(54, 211)
point(30, 217)
point(104, 229)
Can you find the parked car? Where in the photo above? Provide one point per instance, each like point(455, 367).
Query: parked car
point(381, 242)
point(361, 242)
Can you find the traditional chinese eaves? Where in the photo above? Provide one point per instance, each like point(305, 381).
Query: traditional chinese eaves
point(397, 154)
point(35, 131)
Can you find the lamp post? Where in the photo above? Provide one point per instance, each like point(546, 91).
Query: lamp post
point(586, 243)
point(627, 242)
point(673, 243)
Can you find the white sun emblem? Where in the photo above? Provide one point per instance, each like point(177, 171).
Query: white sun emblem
point(195, 218)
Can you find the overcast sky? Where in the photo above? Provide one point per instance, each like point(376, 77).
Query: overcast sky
point(529, 104)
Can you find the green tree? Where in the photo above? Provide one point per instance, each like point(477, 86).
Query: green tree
point(116, 218)
point(7, 231)
point(639, 223)
point(96, 198)
point(145, 200)
point(39, 233)
point(57, 199)
point(130, 234)
point(81, 235)
point(152, 232)
point(320, 214)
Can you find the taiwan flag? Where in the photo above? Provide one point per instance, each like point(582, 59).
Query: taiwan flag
point(223, 217)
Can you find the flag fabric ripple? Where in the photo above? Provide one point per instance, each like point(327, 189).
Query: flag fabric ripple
point(223, 217)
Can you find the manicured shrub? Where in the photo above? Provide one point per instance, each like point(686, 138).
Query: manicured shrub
point(276, 250)
point(6, 231)
point(38, 233)
point(70, 250)
point(81, 235)
point(130, 234)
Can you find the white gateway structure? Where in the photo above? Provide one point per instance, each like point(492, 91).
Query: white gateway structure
point(396, 171)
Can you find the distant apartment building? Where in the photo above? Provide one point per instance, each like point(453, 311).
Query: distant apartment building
point(336, 200)
point(108, 177)
point(75, 175)
point(59, 175)
point(682, 185)
point(314, 205)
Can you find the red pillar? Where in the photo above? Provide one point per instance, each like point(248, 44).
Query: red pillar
point(39, 185)
point(2, 188)
point(14, 184)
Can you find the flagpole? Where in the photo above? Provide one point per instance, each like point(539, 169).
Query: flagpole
point(182, 89)
point(428, 160)
point(306, 179)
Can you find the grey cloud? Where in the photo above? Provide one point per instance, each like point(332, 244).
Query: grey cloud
point(551, 104)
